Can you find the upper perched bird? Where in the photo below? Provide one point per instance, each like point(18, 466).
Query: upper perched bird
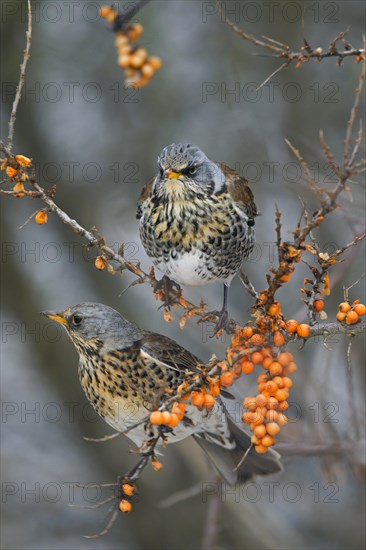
point(125, 373)
point(196, 219)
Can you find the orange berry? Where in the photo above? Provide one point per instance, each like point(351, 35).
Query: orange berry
point(267, 441)
point(125, 506)
point(209, 402)
point(247, 367)
point(120, 40)
point(272, 403)
point(260, 431)
point(344, 307)
point(274, 309)
point(303, 330)
point(197, 398)
point(259, 418)
point(340, 316)
point(275, 368)
point(248, 417)
point(261, 400)
point(281, 395)
point(267, 361)
point(271, 387)
point(19, 187)
point(256, 340)
point(23, 161)
point(262, 387)
point(282, 419)
point(178, 409)
point(291, 325)
point(250, 403)
point(140, 83)
point(128, 489)
point(273, 428)
point(278, 339)
point(174, 420)
point(287, 382)
point(292, 367)
point(167, 416)
point(272, 416)
point(155, 62)
point(256, 357)
point(227, 379)
point(11, 172)
point(360, 309)
point(285, 358)
point(351, 318)
point(247, 332)
point(285, 277)
point(100, 263)
point(262, 378)
point(156, 465)
point(124, 61)
point(318, 305)
point(147, 70)
point(261, 449)
point(283, 406)
point(279, 381)
point(156, 417)
point(41, 217)
point(254, 440)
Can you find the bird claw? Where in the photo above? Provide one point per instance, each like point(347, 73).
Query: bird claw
point(223, 323)
point(168, 291)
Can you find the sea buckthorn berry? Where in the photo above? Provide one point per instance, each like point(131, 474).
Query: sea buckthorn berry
point(261, 449)
point(261, 400)
point(262, 387)
point(167, 416)
point(155, 62)
point(227, 379)
point(278, 339)
point(259, 418)
point(318, 305)
point(273, 428)
point(128, 489)
point(267, 361)
point(262, 378)
point(275, 368)
point(124, 61)
point(340, 316)
point(281, 395)
point(282, 419)
point(272, 416)
point(248, 417)
point(156, 465)
point(11, 172)
point(174, 420)
point(247, 367)
point(100, 263)
point(283, 406)
point(140, 83)
point(19, 187)
point(197, 398)
point(351, 318)
point(291, 325)
point(209, 402)
point(23, 161)
point(285, 277)
point(292, 367)
point(250, 403)
point(41, 217)
point(125, 506)
point(285, 358)
point(178, 409)
point(156, 417)
point(360, 309)
point(254, 440)
point(303, 330)
point(279, 381)
point(147, 70)
point(287, 382)
point(274, 309)
point(271, 387)
point(247, 332)
point(344, 307)
point(267, 441)
point(256, 357)
point(260, 431)
point(256, 340)
point(272, 403)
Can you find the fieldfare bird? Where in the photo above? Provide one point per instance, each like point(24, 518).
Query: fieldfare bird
point(125, 373)
point(196, 220)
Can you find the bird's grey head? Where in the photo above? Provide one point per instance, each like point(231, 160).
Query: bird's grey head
point(186, 163)
point(91, 324)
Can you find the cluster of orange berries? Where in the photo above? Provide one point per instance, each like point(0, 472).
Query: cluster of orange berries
point(18, 172)
point(128, 491)
point(169, 418)
point(138, 66)
point(350, 314)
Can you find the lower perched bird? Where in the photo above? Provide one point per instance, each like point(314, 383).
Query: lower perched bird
point(125, 373)
point(196, 219)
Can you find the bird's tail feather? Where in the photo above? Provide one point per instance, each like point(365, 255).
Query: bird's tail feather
point(226, 461)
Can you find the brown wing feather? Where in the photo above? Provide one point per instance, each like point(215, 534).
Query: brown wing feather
point(240, 191)
point(170, 353)
point(145, 193)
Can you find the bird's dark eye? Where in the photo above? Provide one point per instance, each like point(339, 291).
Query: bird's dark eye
point(76, 319)
point(192, 170)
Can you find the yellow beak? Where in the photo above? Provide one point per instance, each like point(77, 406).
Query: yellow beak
point(171, 175)
point(58, 317)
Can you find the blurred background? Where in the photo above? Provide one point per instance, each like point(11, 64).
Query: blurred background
point(98, 143)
